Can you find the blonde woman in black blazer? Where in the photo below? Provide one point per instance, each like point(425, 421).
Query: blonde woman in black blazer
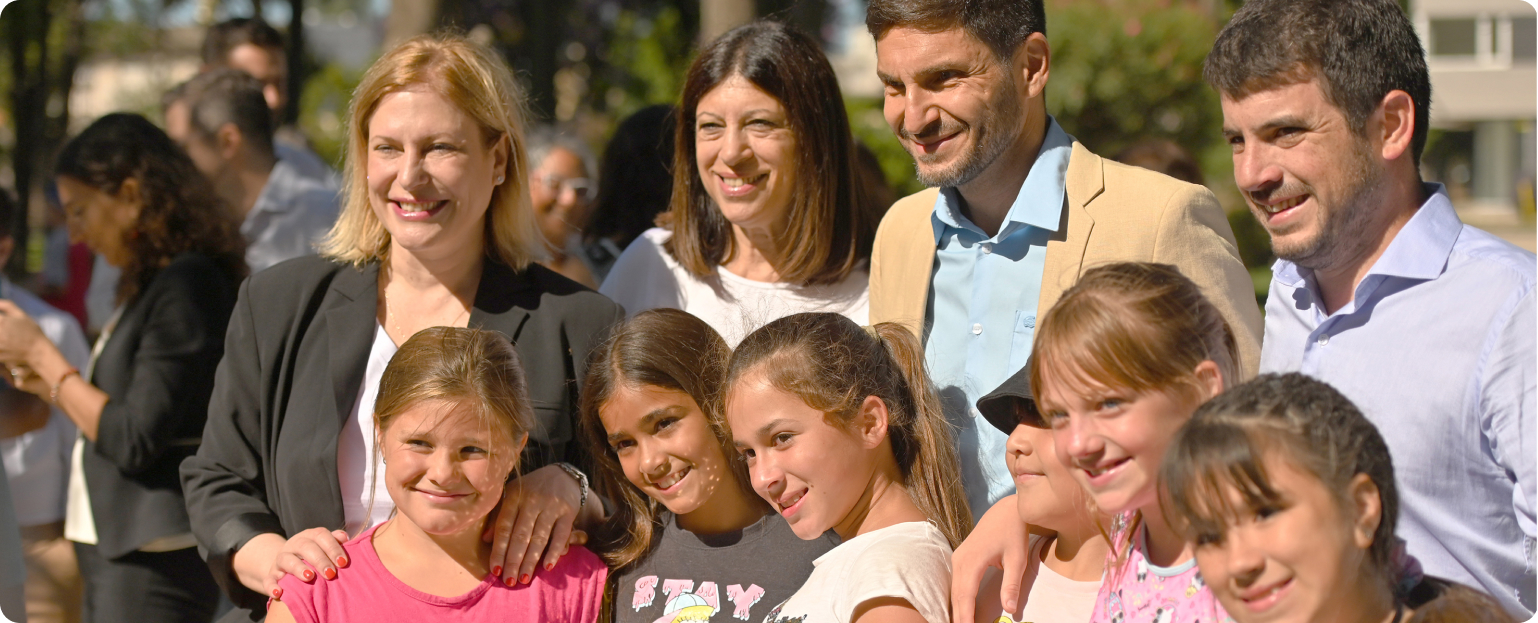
point(435, 230)
point(131, 194)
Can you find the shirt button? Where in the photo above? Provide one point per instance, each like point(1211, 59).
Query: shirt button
point(987, 248)
point(977, 329)
point(1324, 338)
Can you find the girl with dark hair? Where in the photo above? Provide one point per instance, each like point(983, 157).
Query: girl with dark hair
point(1288, 493)
point(452, 417)
point(842, 430)
point(766, 218)
point(685, 515)
point(135, 198)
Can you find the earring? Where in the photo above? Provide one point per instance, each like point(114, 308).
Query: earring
point(499, 180)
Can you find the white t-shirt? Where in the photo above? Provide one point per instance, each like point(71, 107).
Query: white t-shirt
point(647, 277)
point(910, 561)
point(357, 466)
point(1049, 596)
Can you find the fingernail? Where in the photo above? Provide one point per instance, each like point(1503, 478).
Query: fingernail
point(549, 566)
point(330, 573)
point(497, 570)
point(524, 579)
point(308, 575)
point(277, 593)
point(510, 581)
point(341, 561)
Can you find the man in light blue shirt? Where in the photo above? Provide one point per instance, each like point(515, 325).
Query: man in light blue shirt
point(1021, 210)
point(221, 120)
point(1427, 324)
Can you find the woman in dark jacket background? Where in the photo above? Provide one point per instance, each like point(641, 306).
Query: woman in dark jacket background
point(135, 198)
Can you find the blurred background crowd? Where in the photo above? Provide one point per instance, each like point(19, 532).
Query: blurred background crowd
point(1126, 82)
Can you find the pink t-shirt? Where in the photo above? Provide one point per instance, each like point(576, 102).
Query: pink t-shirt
point(1141, 592)
point(572, 592)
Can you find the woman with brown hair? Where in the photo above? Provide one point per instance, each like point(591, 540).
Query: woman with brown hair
point(684, 509)
point(767, 219)
point(135, 198)
point(435, 230)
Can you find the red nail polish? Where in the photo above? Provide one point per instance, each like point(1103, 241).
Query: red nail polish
point(277, 593)
point(308, 575)
point(341, 561)
point(497, 570)
point(524, 579)
point(510, 581)
point(549, 566)
point(330, 573)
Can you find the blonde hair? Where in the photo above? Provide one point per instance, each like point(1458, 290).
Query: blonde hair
point(480, 83)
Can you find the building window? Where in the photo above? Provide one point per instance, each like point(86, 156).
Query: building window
point(1454, 37)
point(1524, 40)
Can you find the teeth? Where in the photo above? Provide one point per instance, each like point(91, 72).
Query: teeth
point(738, 182)
point(792, 502)
point(416, 206)
point(1285, 205)
point(671, 479)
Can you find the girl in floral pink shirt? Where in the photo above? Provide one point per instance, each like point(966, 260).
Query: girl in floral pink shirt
point(1120, 363)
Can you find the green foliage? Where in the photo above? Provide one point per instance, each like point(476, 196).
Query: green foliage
point(646, 59)
point(323, 110)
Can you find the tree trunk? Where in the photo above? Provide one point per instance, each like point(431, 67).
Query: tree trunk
point(297, 68)
point(28, 38)
point(719, 16)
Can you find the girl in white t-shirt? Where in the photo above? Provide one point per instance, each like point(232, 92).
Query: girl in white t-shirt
point(1065, 554)
point(766, 219)
point(842, 430)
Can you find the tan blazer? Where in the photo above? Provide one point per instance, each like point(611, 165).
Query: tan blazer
point(1115, 213)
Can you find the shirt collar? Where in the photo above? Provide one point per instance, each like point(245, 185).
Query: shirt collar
point(1419, 251)
point(276, 196)
point(1039, 202)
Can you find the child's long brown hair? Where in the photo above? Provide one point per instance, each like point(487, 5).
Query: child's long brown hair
point(665, 348)
point(832, 364)
point(1136, 326)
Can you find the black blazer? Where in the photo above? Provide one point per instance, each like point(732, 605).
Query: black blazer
point(297, 348)
point(157, 369)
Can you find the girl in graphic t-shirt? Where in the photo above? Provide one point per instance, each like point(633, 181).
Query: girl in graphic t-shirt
point(1119, 364)
point(842, 430)
point(1288, 492)
point(688, 537)
point(453, 414)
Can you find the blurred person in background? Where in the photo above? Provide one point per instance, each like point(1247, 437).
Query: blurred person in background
point(132, 195)
point(66, 271)
point(436, 230)
point(766, 218)
point(560, 189)
point(634, 186)
point(1163, 156)
point(255, 47)
point(221, 120)
point(35, 443)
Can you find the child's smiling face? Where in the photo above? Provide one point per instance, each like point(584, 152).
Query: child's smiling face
point(665, 446)
point(445, 467)
point(1047, 494)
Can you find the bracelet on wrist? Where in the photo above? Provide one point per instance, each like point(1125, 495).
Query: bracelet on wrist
point(582, 484)
point(53, 392)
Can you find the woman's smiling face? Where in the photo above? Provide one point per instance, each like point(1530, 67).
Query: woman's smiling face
point(445, 467)
point(431, 173)
point(746, 153)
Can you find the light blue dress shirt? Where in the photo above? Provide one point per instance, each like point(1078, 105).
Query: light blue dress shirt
point(1438, 350)
point(291, 215)
point(982, 309)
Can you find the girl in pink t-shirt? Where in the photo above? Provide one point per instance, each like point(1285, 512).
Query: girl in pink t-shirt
point(453, 414)
point(1119, 364)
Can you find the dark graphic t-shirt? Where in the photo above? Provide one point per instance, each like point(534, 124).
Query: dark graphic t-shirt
point(722, 578)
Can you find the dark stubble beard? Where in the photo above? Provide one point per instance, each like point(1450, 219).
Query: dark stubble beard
point(992, 133)
point(1344, 232)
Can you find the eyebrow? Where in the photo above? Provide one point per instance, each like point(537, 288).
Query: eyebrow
point(648, 419)
point(764, 430)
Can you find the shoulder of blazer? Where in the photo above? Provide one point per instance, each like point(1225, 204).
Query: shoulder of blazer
point(305, 277)
point(538, 288)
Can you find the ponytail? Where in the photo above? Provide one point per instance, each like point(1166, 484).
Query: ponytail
point(932, 474)
point(833, 365)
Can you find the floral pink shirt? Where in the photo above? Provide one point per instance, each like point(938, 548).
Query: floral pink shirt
point(1140, 592)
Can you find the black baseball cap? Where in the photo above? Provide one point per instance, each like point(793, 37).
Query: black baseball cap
point(1011, 403)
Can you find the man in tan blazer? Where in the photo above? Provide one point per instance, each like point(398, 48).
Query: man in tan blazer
point(1021, 210)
